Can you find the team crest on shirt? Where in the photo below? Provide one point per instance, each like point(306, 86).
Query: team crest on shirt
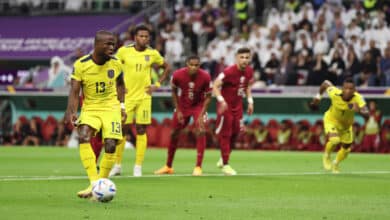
point(191, 85)
point(110, 74)
point(147, 58)
point(350, 105)
point(242, 79)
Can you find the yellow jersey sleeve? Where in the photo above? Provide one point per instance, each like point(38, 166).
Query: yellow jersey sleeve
point(76, 73)
point(359, 100)
point(332, 91)
point(119, 54)
point(157, 58)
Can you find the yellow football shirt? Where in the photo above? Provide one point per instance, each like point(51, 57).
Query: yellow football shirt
point(137, 67)
point(340, 112)
point(98, 83)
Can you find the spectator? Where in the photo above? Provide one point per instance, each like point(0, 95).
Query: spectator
point(174, 51)
point(59, 73)
point(319, 71)
point(372, 128)
point(271, 69)
point(385, 67)
point(368, 71)
point(352, 64)
point(336, 69)
point(284, 135)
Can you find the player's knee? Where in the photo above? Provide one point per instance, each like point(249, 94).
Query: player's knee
point(200, 131)
point(85, 134)
point(141, 129)
point(175, 133)
point(84, 138)
point(335, 140)
point(109, 145)
point(347, 147)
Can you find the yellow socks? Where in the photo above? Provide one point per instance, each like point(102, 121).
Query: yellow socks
point(140, 149)
point(120, 147)
point(341, 155)
point(106, 164)
point(88, 160)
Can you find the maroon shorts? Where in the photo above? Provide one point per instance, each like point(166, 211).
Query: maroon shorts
point(187, 114)
point(228, 123)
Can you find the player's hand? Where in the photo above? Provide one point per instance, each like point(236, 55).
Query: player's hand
point(250, 109)
point(150, 89)
point(70, 118)
point(124, 116)
point(222, 107)
point(201, 121)
point(313, 105)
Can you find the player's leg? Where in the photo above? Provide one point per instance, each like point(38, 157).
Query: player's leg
point(143, 118)
point(176, 127)
point(120, 148)
point(224, 133)
point(97, 144)
point(111, 132)
point(346, 139)
point(87, 128)
point(200, 142)
point(333, 140)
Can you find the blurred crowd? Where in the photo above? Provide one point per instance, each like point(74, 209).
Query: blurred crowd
point(372, 136)
point(294, 42)
point(303, 43)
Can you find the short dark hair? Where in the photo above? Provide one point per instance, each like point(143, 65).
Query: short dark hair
point(349, 80)
point(100, 33)
point(193, 57)
point(243, 50)
point(141, 27)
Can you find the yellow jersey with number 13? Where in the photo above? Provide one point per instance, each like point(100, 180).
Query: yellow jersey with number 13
point(137, 67)
point(98, 83)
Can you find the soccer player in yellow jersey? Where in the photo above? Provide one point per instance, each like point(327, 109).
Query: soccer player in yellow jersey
point(99, 76)
point(338, 120)
point(138, 60)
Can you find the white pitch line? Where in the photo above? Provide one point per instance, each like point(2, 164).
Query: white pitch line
point(43, 178)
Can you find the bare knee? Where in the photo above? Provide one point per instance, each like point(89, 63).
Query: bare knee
point(175, 133)
point(141, 129)
point(109, 145)
point(346, 146)
point(85, 133)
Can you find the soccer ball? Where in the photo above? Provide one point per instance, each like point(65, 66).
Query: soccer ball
point(103, 190)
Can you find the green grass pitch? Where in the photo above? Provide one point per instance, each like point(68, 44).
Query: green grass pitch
point(41, 183)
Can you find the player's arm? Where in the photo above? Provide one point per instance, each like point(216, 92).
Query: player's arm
point(364, 112)
point(121, 90)
point(316, 99)
point(166, 67)
point(360, 107)
point(249, 98)
point(162, 78)
point(217, 92)
point(203, 114)
point(73, 102)
point(175, 100)
point(206, 103)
